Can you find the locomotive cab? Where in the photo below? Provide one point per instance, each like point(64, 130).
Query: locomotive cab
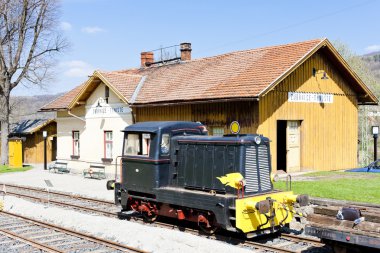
point(146, 157)
point(174, 169)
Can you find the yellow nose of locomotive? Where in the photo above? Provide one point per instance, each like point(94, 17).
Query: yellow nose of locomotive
point(267, 211)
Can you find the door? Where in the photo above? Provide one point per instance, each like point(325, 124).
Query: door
point(53, 149)
point(281, 144)
point(293, 143)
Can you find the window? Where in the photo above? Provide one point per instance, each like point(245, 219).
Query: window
point(165, 144)
point(108, 144)
point(137, 144)
point(218, 131)
point(106, 93)
point(76, 143)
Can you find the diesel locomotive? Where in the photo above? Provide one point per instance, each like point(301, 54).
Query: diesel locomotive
point(175, 169)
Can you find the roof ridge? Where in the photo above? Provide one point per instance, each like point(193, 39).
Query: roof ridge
point(317, 41)
point(120, 72)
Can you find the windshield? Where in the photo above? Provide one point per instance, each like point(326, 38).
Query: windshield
point(137, 144)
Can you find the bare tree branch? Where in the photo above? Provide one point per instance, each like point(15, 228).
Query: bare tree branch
point(29, 40)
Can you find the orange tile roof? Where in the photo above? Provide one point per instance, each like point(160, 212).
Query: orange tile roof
point(234, 75)
point(241, 74)
point(63, 101)
point(123, 83)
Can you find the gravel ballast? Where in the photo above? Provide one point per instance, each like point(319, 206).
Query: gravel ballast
point(142, 236)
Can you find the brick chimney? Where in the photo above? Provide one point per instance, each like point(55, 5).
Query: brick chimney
point(185, 51)
point(147, 59)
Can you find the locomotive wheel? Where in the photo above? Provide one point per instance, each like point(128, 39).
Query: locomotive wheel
point(149, 218)
point(208, 230)
point(205, 225)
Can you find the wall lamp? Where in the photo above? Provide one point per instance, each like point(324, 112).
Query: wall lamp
point(324, 76)
point(101, 102)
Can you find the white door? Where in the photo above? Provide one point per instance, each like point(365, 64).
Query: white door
point(293, 149)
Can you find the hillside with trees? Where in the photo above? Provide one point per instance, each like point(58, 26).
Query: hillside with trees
point(26, 107)
point(373, 61)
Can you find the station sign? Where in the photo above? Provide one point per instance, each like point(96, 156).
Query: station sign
point(303, 97)
point(107, 111)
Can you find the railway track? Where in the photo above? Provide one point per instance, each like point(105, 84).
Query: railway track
point(103, 207)
point(283, 244)
point(22, 234)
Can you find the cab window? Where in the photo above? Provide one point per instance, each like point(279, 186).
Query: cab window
point(165, 144)
point(137, 144)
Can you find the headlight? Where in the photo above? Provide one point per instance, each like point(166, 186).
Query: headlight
point(257, 140)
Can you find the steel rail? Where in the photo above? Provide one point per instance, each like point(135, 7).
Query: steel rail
point(270, 247)
point(36, 189)
point(256, 245)
point(43, 200)
point(296, 238)
point(105, 242)
point(30, 242)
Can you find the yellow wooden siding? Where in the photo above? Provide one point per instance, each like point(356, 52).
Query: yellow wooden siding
point(210, 114)
point(33, 147)
point(328, 131)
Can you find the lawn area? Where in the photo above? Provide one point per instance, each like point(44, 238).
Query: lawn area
point(6, 169)
point(360, 187)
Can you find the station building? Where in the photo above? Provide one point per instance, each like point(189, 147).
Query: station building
point(29, 132)
point(303, 96)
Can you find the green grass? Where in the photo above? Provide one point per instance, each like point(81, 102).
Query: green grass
point(6, 169)
point(360, 187)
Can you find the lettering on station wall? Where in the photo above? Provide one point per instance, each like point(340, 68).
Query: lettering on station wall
point(107, 111)
point(301, 97)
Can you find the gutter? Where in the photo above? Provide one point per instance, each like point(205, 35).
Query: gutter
point(223, 100)
point(75, 116)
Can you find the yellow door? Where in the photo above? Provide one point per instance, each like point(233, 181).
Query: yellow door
point(293, 149)
point(15, 153)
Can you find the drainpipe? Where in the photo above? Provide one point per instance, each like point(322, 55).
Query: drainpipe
point(75, 116)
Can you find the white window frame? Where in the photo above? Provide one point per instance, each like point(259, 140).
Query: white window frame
point(108, 144)
point(76, 143)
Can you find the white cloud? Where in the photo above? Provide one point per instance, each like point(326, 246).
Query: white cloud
point(372, 48)
point(92, 29)
point(76, 68)
point(66, 26)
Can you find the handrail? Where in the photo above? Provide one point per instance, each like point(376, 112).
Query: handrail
point(119, 156)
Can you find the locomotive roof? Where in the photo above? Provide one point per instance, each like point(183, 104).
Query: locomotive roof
point(238, 139)
point(154, 126)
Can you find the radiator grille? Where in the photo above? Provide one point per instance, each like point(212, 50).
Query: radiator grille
point(251, 171)
point(252, 182)
point(264, 168)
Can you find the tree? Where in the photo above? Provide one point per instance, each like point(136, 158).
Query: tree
point(363, 70)
point(29, 40)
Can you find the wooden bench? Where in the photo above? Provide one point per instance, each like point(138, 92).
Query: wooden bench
point(59, 167)
point(95, 171)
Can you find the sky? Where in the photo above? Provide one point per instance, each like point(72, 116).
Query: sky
point(110, 34)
